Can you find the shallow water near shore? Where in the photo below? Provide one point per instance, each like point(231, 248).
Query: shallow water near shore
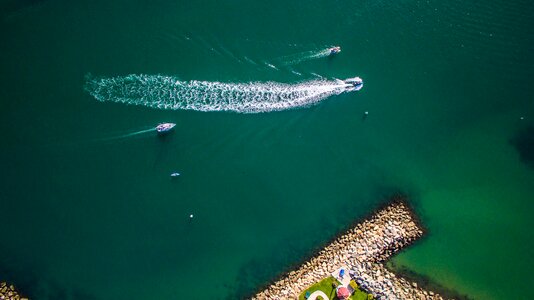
point(85, 217)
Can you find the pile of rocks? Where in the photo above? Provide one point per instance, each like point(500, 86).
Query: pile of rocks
point(363, 249)
point(383, 284)
point(8, 292)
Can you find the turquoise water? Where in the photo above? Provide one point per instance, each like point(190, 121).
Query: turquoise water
point(88, 210)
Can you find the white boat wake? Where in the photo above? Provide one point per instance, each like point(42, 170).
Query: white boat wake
point(167, 92)
point(124, 136)
point(298, 58)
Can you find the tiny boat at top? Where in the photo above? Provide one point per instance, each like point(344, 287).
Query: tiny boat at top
point(354, 84)
point(335, 50)
point(165, 127)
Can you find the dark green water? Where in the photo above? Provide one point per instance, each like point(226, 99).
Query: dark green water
point(86, 216)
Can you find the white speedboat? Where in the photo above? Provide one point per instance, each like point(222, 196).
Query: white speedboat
point(354, 84)
point(176, 174)
point(165, 127)
point(335, 50)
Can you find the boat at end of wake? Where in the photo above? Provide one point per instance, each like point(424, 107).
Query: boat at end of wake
point(165, 127)
point(335, 50)
point(354, 84)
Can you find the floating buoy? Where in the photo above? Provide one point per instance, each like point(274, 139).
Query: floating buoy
point(366, 113)
point(191, 216)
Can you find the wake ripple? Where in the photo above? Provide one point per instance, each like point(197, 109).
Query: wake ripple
point(298, 58)
point(167, 92)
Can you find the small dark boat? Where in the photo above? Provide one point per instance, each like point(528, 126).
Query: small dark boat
point(165, 127)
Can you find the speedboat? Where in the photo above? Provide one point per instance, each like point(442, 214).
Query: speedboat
point(335, 50)
point(354, 84)
point(176, 174)
point(164, 127)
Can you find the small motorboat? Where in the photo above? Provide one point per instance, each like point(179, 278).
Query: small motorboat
point(175, 174)
point(335, 50)
point(354, 84)
point(165, 127)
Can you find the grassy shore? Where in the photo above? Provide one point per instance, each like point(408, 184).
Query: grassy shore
point(328, 288)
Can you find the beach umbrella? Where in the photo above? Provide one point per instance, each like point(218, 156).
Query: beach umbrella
point(343, 292)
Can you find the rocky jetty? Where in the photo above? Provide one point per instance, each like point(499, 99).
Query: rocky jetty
point(8, 292)
point(363, 249)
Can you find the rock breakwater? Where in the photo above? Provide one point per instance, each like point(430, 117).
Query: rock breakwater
point(8, 292)
point(363, 249)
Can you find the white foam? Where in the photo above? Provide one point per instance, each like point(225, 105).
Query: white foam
point(167, 92)
point(304, 56)
point(271, 66)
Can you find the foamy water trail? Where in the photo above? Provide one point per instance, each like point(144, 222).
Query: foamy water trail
point(167, 92)
point(127, 135)
point(304, 56)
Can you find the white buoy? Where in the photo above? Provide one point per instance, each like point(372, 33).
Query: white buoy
point(366, 113)
point(522, 118)
point(191, 216)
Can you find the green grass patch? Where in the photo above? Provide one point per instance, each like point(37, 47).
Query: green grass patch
point(329, 289)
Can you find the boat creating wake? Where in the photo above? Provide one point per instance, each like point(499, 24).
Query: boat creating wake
point(167, 92)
